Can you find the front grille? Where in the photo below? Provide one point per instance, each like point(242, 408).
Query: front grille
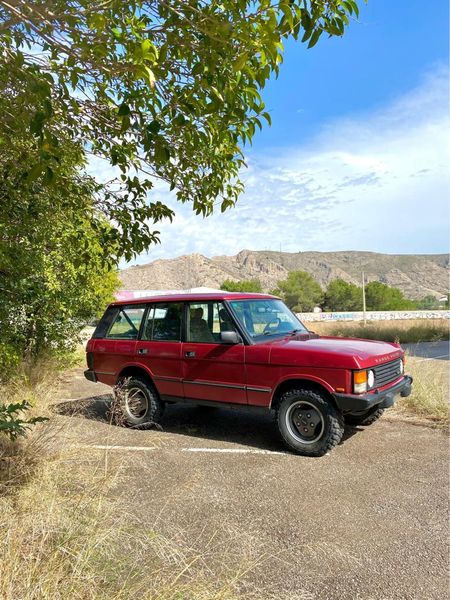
point(388, 372)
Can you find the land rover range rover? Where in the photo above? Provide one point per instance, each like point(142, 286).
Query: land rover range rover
point(246, 350)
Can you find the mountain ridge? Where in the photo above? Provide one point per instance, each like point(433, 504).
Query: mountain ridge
point(417, 275)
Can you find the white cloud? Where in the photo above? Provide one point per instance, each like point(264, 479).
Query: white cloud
point(377, 181)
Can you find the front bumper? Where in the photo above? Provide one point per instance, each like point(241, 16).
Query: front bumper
point(383, 399)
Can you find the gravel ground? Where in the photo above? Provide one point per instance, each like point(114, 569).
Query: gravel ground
point(368, 521)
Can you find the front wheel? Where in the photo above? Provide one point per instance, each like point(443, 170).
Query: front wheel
point(308, 423)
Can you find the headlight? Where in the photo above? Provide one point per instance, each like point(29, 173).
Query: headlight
point(370, 379)
point(402, 367)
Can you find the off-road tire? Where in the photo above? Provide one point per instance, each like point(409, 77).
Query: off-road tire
point(124, 413)
point(365, 419)
point(332, 422)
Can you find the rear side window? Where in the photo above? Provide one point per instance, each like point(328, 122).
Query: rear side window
point(105, 322)
point(127, 323)
point(163, 322)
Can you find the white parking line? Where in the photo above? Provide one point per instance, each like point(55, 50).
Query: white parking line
point(205, 450)
point(232, 451)
point(105, 447)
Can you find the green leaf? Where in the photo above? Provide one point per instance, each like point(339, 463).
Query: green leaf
point(154, 126)
point(162, 153)
point(315, 37)
point(34, 172)
point(124, 109)
point(240, 62)
point(37, 122)
point(49, 175)
point(215, 94)
point(148, 50)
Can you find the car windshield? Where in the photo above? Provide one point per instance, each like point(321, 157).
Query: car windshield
point(264, 318)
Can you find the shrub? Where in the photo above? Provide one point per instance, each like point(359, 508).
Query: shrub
point(12, 422)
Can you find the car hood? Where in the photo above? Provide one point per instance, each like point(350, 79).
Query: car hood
point(334, 352)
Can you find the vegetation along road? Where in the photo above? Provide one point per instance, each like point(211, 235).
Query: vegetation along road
point(366, 521)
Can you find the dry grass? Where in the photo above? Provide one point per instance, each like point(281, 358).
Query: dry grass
point(66, 530)
point(403, 331)
point(429, 400)
point(34, 383)
point(65, 537)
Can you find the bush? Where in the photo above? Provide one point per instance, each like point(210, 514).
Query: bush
point(300, 291)
point(343, 296)
point(380, 296)
point(9, 360)
point(11, 422)
point(246, 285)
point(407, 331)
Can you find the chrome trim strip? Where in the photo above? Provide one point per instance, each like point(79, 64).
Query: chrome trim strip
point(177, 379)
point(224, 385)
point(228, 385)
point(104, 373)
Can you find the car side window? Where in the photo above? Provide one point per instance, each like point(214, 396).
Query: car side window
point(105, 322)
point(163, 322)
point(206, 321)
point(127, 323)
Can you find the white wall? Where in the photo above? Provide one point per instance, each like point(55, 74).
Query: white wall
point(375, 315)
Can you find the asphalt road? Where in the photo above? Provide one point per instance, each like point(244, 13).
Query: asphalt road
point(437, 350)
point(368, 521)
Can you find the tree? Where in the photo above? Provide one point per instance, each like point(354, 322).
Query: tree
point(300, 291)
point(343, 296)
point(57, 265)
point(380, 296)
point(167, 90)
point(428, 303)
point(249, 285)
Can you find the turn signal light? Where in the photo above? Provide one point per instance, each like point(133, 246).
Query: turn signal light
point(360, 377)
point(359, 382)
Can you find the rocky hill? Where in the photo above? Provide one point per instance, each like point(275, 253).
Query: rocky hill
point(417, 275)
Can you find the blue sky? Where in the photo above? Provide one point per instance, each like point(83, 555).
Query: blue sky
point(357, 156)
point(382, 56)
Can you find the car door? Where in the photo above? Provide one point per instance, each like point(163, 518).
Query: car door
point(159, 347)
point(212, 370)
point(117, 346)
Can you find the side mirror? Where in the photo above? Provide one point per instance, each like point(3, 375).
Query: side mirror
point(230, 337)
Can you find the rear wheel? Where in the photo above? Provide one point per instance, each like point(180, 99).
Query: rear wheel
point(136, 403)
point(308, 423)
point(366, 418)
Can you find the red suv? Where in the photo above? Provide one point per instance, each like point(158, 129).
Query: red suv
point(248, 350)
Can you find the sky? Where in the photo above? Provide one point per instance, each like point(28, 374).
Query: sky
point(357, 156)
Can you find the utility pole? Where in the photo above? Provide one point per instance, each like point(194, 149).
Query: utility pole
point(364, 297)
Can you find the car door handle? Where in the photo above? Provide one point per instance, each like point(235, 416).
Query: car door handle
point(143, 351)
point(190, 354)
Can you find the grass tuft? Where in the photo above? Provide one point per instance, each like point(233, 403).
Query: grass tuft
point(430, 396)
